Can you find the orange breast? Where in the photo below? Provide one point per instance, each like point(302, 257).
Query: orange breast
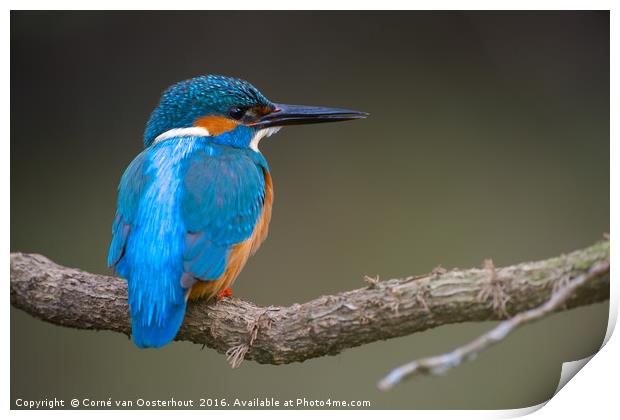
point(239, 254)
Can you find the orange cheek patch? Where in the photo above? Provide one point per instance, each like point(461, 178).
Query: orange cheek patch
point(216, 125)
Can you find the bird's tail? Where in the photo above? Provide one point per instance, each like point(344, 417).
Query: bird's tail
point(148, 334)
point(157, 303)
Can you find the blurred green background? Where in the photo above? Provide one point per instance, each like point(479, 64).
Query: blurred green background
point(488, 138)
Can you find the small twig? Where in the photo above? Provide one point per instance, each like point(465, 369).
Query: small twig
point(372, 282)
point(494, 288)
point(421, 296)
point(236, 354)
point(437, 365)
point(439, 271)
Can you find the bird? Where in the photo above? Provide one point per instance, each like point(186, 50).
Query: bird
point(196, 202)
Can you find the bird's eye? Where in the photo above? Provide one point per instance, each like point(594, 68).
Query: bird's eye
point(237, 112)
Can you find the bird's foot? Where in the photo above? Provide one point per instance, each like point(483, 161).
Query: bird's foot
point(224, 293)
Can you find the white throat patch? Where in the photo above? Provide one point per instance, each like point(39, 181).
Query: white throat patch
point(203, 132)
point(260, 134)
point(182, 132)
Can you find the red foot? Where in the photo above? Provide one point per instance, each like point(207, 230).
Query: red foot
point(224, 293)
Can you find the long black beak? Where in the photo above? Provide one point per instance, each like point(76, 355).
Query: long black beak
point(302, 114)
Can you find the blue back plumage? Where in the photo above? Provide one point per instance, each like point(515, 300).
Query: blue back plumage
point(220, 207)
point(183, 203)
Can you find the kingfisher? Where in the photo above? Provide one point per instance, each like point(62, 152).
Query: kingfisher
point(196, 203)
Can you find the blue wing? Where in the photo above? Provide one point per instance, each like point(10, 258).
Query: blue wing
point(222, 202)
point(130, 190)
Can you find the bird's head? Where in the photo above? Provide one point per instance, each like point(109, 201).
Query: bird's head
point(231, 111)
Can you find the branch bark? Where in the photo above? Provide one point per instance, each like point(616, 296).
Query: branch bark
point(324, 326)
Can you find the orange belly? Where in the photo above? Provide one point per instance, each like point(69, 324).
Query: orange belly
point(239, 254)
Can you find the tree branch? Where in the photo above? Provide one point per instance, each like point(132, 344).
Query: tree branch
point(326, 325)
point(437, 365)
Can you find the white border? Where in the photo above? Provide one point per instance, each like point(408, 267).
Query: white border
point(593, 393)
